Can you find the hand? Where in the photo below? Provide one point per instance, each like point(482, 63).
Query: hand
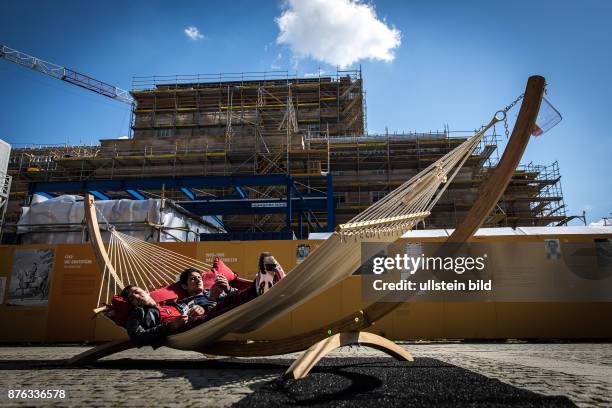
point(196, 310)
point(222, 281)
point(178, 323)
point(220, 286)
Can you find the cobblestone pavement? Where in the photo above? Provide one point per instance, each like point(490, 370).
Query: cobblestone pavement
point(583, 372)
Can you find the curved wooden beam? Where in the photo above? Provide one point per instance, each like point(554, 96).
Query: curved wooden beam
point(95, 237)
point(246, 348)
point(103, 350)
point(302, 366)
point(495, 186)
point(300, 342)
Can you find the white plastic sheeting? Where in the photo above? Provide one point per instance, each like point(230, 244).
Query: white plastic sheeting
point(60, 220)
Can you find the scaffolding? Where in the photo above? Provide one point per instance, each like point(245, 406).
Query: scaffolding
point(543, 193)
point(264, 113)
point(277, 123)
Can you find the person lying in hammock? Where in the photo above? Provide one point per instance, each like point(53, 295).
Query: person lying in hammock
point(222, 297)
point(193, 284)
point(149, 322)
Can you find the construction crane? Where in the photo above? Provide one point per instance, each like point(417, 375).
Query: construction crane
point(66, 74)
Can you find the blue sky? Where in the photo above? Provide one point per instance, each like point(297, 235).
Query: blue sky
point(458, 63)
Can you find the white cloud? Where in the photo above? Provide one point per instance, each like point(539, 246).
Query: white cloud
point(193, 33)
point(338, 32)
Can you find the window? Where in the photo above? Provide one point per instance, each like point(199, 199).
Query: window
point(165, 132)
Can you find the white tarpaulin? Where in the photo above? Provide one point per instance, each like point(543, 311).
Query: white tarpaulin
point(60, 220)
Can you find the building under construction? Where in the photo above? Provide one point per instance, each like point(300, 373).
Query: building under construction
point(310, 130)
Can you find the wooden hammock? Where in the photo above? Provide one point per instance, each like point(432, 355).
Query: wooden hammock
point(130, 260)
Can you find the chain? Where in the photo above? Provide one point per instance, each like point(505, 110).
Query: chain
point(503, 113)
point(507, 108)
point(506, 131)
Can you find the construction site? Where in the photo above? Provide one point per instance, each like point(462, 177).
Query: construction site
point(270, 155)
point(360, 204)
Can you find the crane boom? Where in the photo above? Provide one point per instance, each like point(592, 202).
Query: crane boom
point(66, 74)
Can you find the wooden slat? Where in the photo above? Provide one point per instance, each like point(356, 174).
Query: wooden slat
point(381, 221)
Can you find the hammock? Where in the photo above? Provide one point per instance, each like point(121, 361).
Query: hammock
point(131, 260)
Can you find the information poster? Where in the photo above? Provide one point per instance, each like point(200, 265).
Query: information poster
point(31, 277)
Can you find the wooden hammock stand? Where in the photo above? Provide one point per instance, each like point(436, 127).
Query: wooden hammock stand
point(349, 330)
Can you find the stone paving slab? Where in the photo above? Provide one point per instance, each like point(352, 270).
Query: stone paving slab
point(166, 377)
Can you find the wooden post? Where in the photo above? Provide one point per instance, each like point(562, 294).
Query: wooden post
point(495, 186)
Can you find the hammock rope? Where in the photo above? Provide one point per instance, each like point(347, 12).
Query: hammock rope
point(412, 201)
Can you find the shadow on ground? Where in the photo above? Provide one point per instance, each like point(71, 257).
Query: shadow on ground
point(384, 383)
point(346, 382)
